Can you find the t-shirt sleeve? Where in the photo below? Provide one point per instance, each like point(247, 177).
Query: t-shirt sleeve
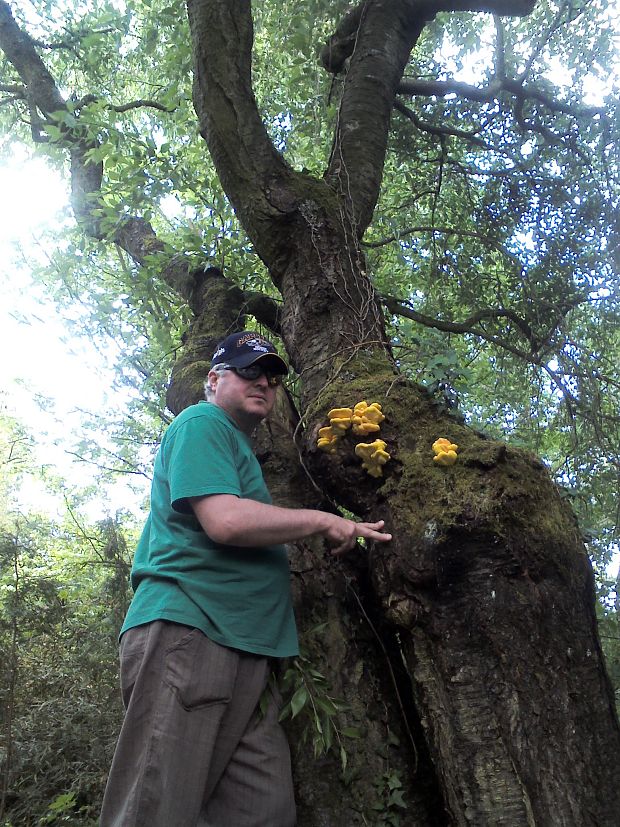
point(201, 461)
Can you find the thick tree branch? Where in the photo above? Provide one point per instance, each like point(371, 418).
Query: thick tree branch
point(134, 235)
point(14, 89)
point(341, 44)
point(376, 40)
point(140, 241)
point(124, 107)
point(20, 51)
point(257, 180)
point(44, 97)
point(140, 104)
point(265, 310)
point(501, 8)
point(469, 325)
point(441, 88)
point(491, 92)
point(379, 50)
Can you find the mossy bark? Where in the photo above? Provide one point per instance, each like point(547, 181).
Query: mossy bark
point(488, 588)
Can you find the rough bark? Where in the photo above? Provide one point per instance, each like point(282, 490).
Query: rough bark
point(361, 659)
point(489, 589)
point(486, 589)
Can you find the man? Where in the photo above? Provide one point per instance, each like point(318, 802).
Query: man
point(212, 607)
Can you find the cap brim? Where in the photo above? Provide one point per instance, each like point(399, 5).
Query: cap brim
point(270, 360)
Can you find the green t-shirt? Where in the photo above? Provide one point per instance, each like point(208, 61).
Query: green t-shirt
point(239, 597)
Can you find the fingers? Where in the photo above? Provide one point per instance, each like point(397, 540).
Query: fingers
point(369, 531)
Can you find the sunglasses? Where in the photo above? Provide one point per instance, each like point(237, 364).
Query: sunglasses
point(254, 371)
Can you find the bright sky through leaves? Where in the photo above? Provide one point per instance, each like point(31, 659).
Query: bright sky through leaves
point(47, 374)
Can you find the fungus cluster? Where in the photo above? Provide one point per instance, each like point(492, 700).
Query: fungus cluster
point(363, 419)
point(366, 418)
point(339, 423)
point(373, 455)
point(445, 452)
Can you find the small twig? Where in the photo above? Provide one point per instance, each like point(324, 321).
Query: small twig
point(441, 131)
point(124, 107)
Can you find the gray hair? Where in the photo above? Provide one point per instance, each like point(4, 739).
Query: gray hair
point(209, 391)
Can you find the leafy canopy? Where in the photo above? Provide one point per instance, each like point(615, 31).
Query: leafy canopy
point(495, 243)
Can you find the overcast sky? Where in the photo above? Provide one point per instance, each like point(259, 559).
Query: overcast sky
point(39, 359)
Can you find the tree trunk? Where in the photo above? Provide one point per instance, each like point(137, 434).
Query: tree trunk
point(466, 648)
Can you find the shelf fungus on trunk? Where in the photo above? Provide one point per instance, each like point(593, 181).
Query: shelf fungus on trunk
point(374, 456)
point(362, 420)
point(445, 452)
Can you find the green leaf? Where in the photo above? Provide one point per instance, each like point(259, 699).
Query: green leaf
point(298, 701)
point(63, 802)
point(395, 799)
point(326, 704)
point(53, 131)
point(352, 732)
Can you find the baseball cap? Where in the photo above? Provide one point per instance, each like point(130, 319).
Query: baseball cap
point(245, 348)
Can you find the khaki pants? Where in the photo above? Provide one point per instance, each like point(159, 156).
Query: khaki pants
point(194, 749)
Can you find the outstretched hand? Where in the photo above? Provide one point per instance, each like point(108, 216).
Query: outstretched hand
point(343, 534)
point(236, 521)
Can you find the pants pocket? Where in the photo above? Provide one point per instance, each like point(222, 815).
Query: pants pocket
point(199, 671)
point(131, 653)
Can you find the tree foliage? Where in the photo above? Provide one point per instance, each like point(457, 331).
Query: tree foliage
point(494, 242)
point(63, 593)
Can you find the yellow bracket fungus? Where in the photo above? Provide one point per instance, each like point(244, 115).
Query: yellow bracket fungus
point(373, 455)
point(363, 419)
point(340, 419)
point(327, 440)
point(339, 422)
point(445, 452)
point(366, 418)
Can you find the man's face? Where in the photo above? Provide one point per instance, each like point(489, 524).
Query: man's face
point(247, 401)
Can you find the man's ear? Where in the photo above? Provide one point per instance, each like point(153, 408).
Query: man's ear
point(212, 378)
